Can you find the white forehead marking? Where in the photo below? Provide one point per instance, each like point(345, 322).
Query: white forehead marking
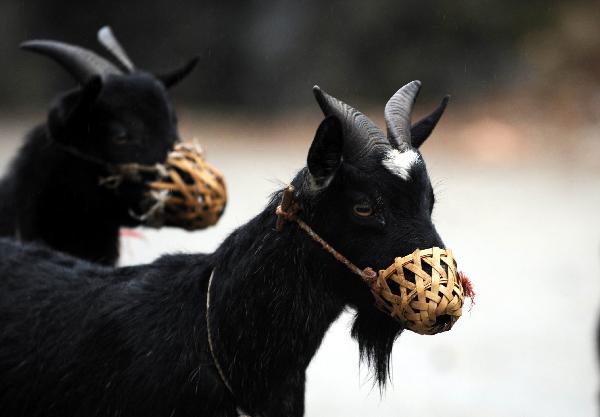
point(399, 163)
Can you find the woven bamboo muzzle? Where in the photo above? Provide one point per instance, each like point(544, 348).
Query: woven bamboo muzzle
point(189, 193)
point(422, 291)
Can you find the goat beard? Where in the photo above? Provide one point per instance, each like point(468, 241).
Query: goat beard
point(376, 334)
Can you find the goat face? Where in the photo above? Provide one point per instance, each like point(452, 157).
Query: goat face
point(370, 197)
point(130, 120)
point(116, 116)
point(123, 119)
point(368, 194)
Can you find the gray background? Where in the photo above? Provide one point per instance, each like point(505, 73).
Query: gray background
point(515, 166)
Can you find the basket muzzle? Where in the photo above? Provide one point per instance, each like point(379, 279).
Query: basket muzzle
point(422, 291)
point(191, 191)
point(186, 191)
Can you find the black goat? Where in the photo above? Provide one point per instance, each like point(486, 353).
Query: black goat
point(84, 340)
point(52, 192)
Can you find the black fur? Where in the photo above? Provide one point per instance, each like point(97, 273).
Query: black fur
point(83, 340)
point(52, 193)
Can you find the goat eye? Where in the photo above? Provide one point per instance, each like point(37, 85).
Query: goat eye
point(363, 210)
point(120, 139)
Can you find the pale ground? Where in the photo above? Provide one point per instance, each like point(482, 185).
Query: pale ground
point(523, 223)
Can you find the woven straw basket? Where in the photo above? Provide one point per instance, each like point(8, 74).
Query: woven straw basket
point(190, 193)
point(422, 291)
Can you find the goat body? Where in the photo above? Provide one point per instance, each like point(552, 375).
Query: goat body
point(60, 201)
point(52, 193)
point(84, 340)
point(79, 339)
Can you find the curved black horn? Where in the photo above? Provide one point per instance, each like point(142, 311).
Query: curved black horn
point(361, 135)
point(81, 63)
point(107, 38)
point(171, 78)
point(397, 114)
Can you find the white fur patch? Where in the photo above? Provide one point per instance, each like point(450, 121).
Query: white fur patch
point(400, 163)
point(318, 184)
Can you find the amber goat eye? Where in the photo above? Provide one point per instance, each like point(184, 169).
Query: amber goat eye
point(363, 210)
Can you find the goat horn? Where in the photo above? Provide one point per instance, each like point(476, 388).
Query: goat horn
point(361, 135)
point(107, 38)
point(397, 114)
point(81, 63)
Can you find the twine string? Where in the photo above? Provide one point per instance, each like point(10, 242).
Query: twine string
point(241, 413)
point(131, 171)
point(287, 211)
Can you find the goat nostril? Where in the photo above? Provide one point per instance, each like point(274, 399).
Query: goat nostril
point(442, 323)
point(443, 320)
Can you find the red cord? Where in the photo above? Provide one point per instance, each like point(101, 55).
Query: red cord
point(468, 288)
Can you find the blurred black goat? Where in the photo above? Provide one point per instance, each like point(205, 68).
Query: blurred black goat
point(117, 115)
point(206, 334)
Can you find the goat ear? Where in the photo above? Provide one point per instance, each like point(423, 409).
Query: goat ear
point(325, 153)
point(421, 130)
point(69, 116)
point(173, 77)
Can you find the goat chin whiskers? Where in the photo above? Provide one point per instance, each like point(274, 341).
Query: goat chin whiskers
point(400, 163)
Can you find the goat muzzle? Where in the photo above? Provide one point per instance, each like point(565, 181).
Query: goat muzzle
point(186, 191)
point(422, 291)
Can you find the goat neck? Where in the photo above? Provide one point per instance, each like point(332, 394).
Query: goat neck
point(274, 296)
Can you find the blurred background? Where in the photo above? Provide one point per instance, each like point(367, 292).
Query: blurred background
point(515, 164)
